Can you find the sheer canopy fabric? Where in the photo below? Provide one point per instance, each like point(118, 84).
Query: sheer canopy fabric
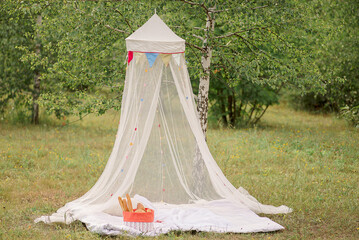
point(160, 154)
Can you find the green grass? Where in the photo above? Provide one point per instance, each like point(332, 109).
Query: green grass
point(308, 162)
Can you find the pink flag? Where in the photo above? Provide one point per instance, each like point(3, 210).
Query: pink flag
point(130, 56)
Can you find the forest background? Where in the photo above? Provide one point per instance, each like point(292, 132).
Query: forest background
point(67, 57)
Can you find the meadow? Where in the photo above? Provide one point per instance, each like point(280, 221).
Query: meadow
point(305, 161)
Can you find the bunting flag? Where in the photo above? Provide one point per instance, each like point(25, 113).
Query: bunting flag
point(151, 57)
point(177, 58)
point(130, 56)
point(138, 56)
point(166, 58)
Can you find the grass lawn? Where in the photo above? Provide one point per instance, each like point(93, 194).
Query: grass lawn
point(308, 162)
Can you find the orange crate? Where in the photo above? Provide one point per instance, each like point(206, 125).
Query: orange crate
point(139, 217)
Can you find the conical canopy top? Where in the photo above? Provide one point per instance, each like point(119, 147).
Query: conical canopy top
point(155, 36)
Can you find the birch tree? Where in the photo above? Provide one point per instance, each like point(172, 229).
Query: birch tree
point(206, 57)
point(243, 39)
point(206, 49)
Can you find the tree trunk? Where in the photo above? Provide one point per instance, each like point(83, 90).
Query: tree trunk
point(223, 108)
point(254, 107)
point(202, 104)
point(36, 92)
point(234, 119)
point(230, 108)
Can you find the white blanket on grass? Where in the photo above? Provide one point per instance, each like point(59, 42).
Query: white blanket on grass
point(213, 216)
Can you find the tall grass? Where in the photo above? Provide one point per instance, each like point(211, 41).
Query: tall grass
point(308, 162)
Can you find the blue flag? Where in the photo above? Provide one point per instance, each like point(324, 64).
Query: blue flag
point(151, 57)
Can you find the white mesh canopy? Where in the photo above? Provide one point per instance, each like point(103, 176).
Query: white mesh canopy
point(160, 153)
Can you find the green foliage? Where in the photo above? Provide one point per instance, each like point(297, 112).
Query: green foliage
point(87, 60)
point(83, 56)
point(241, 104)
point(331, 34)
point(254, 56)
point(351, 114)
point(15, 75)
point(80, 60)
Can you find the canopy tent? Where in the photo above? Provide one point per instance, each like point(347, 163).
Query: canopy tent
point(160, 153)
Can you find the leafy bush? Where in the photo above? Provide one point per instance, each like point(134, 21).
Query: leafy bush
point(332, 37)
point(242, 104)
point(311, 102)
point(351, 114)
